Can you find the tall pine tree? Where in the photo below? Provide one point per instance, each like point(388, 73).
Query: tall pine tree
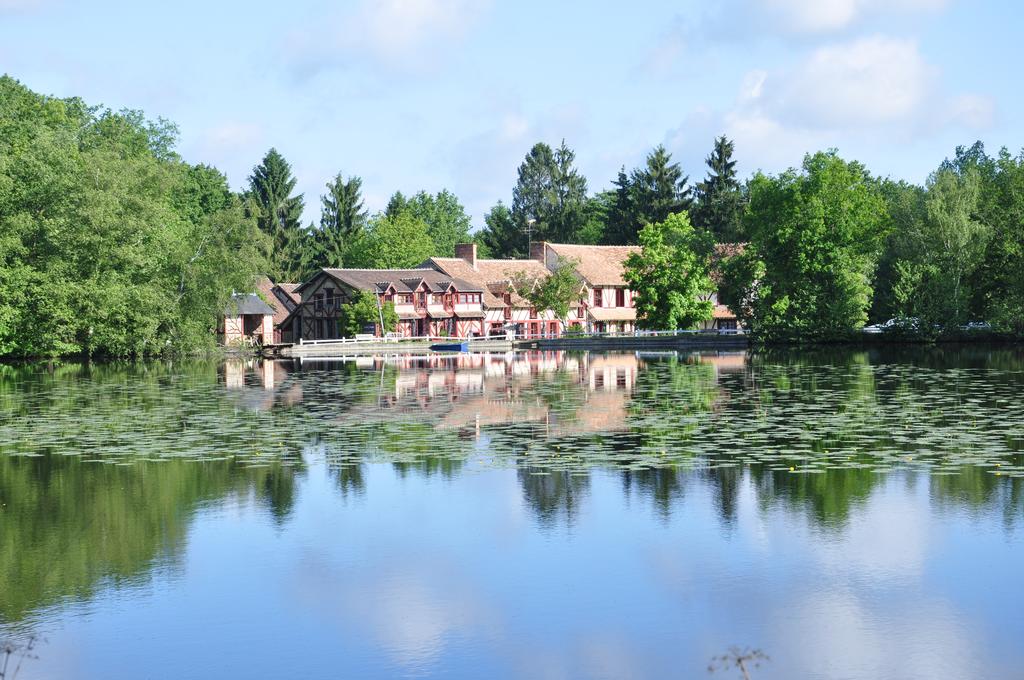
point(342, 219)
point(720, 198)
point(551, 191)
point(278, 214)
point(501, 237)
point(648, 195)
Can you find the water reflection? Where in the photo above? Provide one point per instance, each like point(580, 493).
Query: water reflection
point(851, 460)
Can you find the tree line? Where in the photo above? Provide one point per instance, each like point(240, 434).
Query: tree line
point(829, 247)
point(550, 202)
point(111, 244)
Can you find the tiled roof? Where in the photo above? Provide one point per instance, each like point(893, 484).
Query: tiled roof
point(599, 265)
point(403, 280)
point(722, 312)
point(491, 275)
point(273, 293)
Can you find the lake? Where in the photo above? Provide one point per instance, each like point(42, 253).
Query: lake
point(850, 514)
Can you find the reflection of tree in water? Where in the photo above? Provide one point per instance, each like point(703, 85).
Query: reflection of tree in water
point(67, 524)
point(349, 478)
point(667, 397)
point(553, 495)
point(828, 497)
point(725, 483)
point(279, 491)
point(978, 490)
point(664, 486)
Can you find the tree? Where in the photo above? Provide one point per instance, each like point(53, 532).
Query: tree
point(552, 192)
point(555, 292)
point(942, 252)
point(342, 219)
point(501, 237)
point(647, 195)
point(366, 310)
point(277, 212)
point(110, 245)
point(446, 219)
point(393, 243)
point(815, 237)
point(396, 204)
point(670, 276)
point(719, 204)
point(660, 187)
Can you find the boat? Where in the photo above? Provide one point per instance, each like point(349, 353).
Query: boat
point(451, 347)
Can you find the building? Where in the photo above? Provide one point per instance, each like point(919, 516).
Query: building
point(283, 299)
point(606, 305)
point(503, 305)
point(247, 320)
point(428, 303)
point(722, 317)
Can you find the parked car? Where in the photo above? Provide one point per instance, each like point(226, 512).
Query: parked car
point(904, 323)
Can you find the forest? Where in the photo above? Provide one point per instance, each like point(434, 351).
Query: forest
point(112, 245)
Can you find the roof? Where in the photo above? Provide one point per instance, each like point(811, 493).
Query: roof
point(247, 303)
point(491, 275)
point(402, 280)
point(612, 313)
point(289, 290)
point(598, 265)
point(279, 299)
point(722, 312)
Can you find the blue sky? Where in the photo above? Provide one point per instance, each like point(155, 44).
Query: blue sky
point(431, 94)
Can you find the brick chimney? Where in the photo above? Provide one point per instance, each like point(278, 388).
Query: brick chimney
point(467, 252)
point(537, 250)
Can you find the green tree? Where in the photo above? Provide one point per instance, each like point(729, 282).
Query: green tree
point(342, 219)
point(647, 195)
point(393, 243)
point(551, 191)
point(670, 276)
point(815, 237)
point(366, 310)
point(942, 252)
point(501, 237)
point(396, 204)
point(446, 219)
point(278, 213)
point(109, 243)
point(905, 206)
point(719, 198)
point(556, 292)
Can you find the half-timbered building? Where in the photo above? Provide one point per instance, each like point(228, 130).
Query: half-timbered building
point(504, 306)
point(428, 302)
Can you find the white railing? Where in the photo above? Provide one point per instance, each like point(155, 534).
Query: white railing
point(569, 335)
point(390, 338)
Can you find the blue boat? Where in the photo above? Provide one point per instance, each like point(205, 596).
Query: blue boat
point(450, 347)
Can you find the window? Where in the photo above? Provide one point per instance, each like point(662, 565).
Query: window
point(620, 297)
point(598, 298)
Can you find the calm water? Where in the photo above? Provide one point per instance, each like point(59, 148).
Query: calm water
point(851, 514)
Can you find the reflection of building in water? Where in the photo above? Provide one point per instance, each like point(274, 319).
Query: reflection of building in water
point(263, 383)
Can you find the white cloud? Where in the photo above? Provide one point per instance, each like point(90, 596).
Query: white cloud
point(863, 82)
point(395, 34)
point(821, 16)
point(873, 90)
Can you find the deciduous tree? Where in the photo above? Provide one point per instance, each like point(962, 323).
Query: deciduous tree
point(670, 276)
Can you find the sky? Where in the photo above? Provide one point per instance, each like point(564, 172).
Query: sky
point(430, 94)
